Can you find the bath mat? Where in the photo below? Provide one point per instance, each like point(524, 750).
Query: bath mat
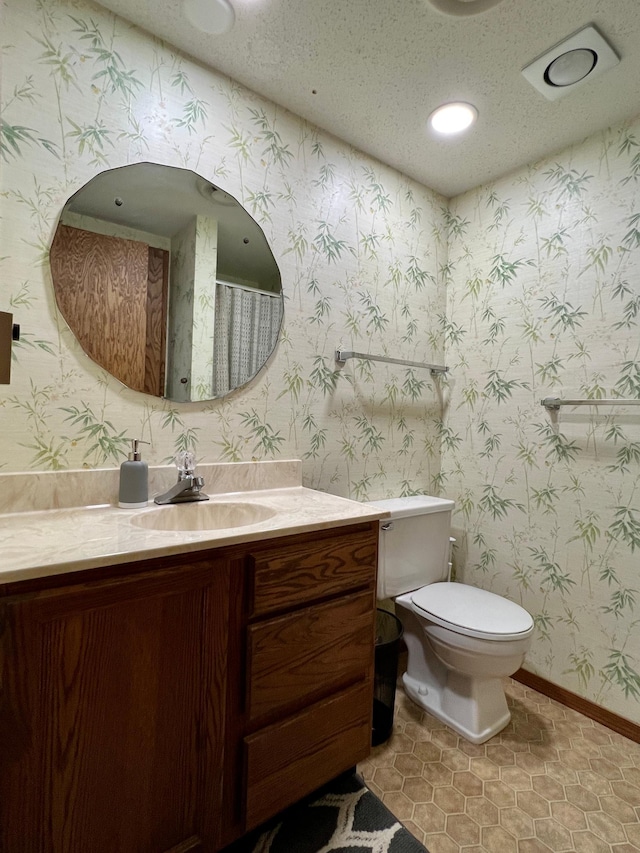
point(342, 817)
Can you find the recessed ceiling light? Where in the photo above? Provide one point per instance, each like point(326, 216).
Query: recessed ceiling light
point(453, 118)
point(463, 7)
point(213, 17)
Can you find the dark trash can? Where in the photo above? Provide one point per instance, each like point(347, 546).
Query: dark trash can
point(388, 636)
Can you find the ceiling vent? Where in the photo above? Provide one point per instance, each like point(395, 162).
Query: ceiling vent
point(571, 63)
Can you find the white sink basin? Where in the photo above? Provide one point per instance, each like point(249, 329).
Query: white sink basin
point(203, 515)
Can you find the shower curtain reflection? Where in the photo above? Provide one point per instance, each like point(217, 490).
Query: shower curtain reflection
point(246, 327)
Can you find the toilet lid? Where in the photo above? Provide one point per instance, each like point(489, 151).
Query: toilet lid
point(472, 611)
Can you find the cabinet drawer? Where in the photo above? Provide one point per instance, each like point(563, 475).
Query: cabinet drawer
point(299, 657)
point(289, 760)
point(297, 574)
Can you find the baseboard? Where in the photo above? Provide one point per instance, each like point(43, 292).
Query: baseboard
point(578, 703)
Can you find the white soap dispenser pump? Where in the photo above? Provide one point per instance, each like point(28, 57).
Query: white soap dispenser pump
point(134, 479)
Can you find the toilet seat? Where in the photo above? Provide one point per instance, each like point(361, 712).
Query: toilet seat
point(472, 611)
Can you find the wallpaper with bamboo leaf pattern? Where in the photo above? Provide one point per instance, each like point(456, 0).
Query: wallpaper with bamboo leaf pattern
point(360, 249)
point(540, 275)
point(544, 300)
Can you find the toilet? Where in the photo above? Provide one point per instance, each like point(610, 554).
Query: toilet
point(461, 640)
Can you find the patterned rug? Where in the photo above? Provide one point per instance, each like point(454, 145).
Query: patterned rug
point(342, 817)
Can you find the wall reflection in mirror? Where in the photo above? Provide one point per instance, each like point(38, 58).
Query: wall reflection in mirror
point(167, 282)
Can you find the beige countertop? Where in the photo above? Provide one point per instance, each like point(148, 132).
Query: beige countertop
point(39, 541)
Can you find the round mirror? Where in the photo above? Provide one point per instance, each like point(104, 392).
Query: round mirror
point(167, 282)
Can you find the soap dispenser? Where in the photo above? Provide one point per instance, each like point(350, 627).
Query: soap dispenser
point(134, 480)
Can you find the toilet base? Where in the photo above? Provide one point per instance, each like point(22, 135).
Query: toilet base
point(476, 708)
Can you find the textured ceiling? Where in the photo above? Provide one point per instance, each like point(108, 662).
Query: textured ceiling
point(379, 68)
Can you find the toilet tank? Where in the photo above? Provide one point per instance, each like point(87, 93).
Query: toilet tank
point(413, 543)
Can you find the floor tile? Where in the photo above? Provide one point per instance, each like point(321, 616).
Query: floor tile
point(553, 781)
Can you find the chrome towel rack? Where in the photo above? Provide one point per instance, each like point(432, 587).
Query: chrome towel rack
point(556, 402)
point(343, 355)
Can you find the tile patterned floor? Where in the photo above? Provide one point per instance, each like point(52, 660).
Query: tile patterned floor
point(553, 780)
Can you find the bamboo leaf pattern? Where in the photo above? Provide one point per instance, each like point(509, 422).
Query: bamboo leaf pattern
point(545, 499)
point(559, 446)
point(61, 63)
point(14, 137)
point(49, 455)
point(504, 271)
point(185, 440)
point(452, 331)
point(27, 340)
point(496, 505)
point(318, 436)
point(563, 314)
point(555, 245)
point(268, 439)
point(632, 238)
point(322, 309)
point(523, 285)
point(100, 436)
point(588, 531)
point(626, 526)
point(323, 377)
point(91, 137)
point(552, 574)
point(491, 445)
point(11, 137)
point(629, 382)
point(412, 387)
point(194, 112)
point(454, 224)
point(328, 244)
point(380, 198)
point(487, 561)
point(370, 435)
point(376, 318)
point(621, 600)
point(619, 671)
point(240, 140)
point(276, 149)
point(327, 175)
point(599, 256)
point(551, 371)
point(181, 79)
point(626, 456)
point(582, 666)
point(499, 388)
point(631, 312)
point(260, 201)
point(298, 243)
point(418, 276)
point(569, 182)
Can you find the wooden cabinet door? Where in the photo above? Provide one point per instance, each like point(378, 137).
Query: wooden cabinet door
point(111, 714)
point(113, 293)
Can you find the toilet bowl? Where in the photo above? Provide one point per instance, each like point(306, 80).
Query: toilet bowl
point(461, 640)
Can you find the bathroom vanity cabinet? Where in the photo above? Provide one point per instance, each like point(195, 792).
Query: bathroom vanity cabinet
point(172, 704)
point(307, 640)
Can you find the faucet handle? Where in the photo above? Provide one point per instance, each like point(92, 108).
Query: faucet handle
point(186, 463)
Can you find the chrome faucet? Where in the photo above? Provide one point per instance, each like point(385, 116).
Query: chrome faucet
point(188, 487)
